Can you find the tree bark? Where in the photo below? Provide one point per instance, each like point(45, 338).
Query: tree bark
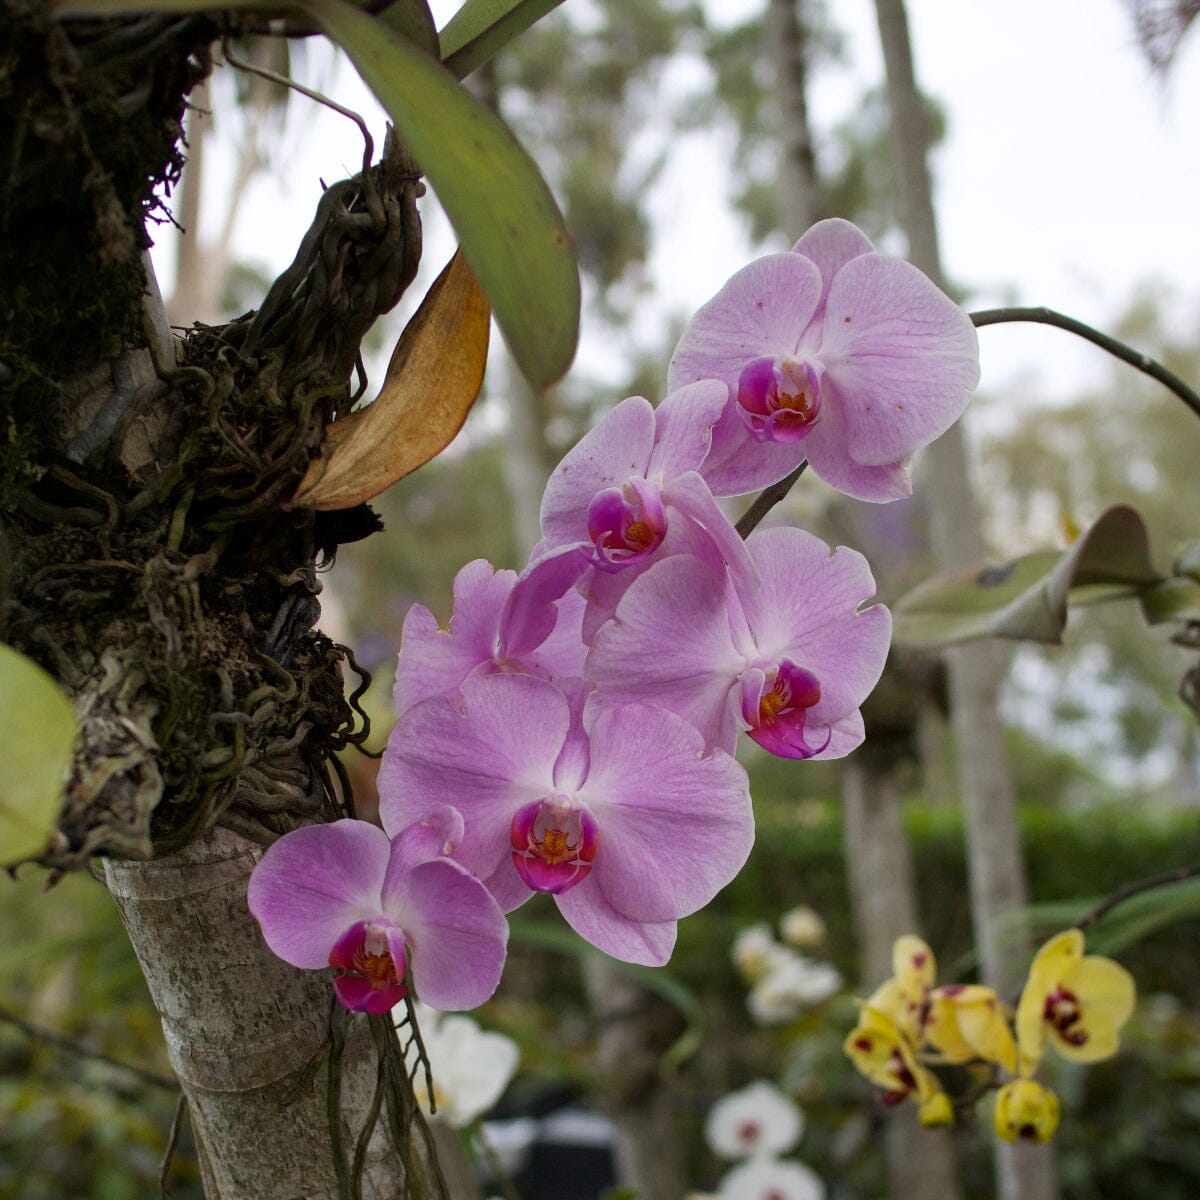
point(786, 43)
point(921, 1162)
point(155, 568)
point(248, 1036)
point(997, 878)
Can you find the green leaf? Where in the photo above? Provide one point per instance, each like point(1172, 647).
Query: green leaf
point(1187, 562)
point(1176, 599)
point(482, 27)
point(413, 20)
point(1028, 597)
point(507, 221)
point(36, 740)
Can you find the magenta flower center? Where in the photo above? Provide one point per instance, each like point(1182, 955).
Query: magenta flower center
point(778, 715)
point(626, 524)
point(779, 399)
point(369, 965)
point(554, 844)
point(1063, 1011)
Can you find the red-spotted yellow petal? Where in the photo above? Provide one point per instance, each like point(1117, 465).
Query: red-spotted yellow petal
point(1079, 1003)
point(914, 968)
point(967, 1022)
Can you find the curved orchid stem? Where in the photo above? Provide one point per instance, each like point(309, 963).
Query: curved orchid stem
point(1136, 888)
point(767, 499)
point(1047, 316)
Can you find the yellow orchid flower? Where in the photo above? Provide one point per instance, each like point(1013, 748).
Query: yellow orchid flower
point(902, 996)
point(962, 1022)
point(1079, 1003)
point(882, 1051)
point(1027, 1110)
point(965, 1022)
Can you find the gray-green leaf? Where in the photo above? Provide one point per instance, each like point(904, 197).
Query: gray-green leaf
point(1028, 597)
point(482, 27)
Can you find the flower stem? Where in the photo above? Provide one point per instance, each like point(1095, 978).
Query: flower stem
point(767, 499)
point(1047, 316)
point(1136, 888)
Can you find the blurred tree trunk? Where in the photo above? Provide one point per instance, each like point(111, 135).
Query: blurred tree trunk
point(920, 1162)
point(997, 877)
point(799, 201)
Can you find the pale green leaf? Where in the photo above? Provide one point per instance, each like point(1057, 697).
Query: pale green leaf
point(1187, 562)
point(1028, 597)
point(511, 230)
point(36, 740)
point(413, 20)
point(1176, 599)
point(482, 27)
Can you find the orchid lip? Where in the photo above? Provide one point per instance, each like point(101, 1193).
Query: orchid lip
point(626, 524)
point(779, 399)
point(369, 963)
point(554, 844)
point(778, 716)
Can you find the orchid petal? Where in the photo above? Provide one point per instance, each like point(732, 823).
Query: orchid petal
point(690, 495)
point(586, 910)
point(488, 753)
point(434, 663)
point(675, 827)
point(830, 245)
point(903, 355)
point(830, 459)
point(669, 644)
point(683, 427)
point(763, 309)
point(458, 935)
point(807, 611)
point(435, 836)
point(617, 446)
point(529, 614)
point(316, 882)
point(738, 464)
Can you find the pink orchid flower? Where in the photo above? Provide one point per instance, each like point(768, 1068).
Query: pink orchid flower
point(622, 818)
point(501, 622)
point(630, 493)
point(833, 353)
point(345, 896)
point(790, 661)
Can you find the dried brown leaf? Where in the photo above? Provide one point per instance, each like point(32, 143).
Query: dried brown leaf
point(433, 378)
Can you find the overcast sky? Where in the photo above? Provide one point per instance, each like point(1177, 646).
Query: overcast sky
point(1069, 174)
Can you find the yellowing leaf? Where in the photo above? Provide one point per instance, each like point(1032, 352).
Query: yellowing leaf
point(433, 378)
point(37, 736)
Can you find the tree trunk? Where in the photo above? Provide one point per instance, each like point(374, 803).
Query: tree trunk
point(798, 193)
point(248, 1036)
point(993, 833)
point(628, 1054)
point(921, 1162)
point(152, 564)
